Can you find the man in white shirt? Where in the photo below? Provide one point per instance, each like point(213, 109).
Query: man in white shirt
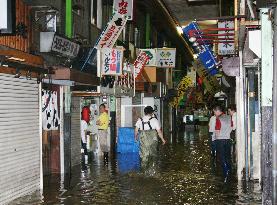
point(147, 129)
point(232, 112)
point(212, 135)
point(84, 130)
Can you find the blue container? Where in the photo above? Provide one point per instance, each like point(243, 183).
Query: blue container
point(128, 147)
point(126, 135)
point(128, 162)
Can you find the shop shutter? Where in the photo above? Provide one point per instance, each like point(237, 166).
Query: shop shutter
point(19, 137)
point(76, 131)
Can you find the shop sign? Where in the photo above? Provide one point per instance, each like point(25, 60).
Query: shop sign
point(3, 14)
point(111, 33)
point(112, 104)
point(166, 57)
point(65, 47)
point(111, 61)
point(226, 48)
point(124, 7)
point(140, 63)
point(203, 51)
point(152, 54)
point(182, 88)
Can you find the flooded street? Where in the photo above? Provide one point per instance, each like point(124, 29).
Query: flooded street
point(184, 174)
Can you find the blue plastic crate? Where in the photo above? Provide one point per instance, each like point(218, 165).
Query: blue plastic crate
point(128, 147)
point(126, 135)
point(128, 162)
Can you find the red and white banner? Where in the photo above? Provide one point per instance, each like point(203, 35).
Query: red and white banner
point(124, 7)
point(140, 63)
point(111, 33)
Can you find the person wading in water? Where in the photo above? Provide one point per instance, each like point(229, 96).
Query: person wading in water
point(147, 129)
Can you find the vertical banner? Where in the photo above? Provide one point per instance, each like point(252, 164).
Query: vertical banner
point(111, 61)
point(111, 33)
point(152, 54)
point(228, 47)
point(140, 63)
point(166, 57)
point(124, 7)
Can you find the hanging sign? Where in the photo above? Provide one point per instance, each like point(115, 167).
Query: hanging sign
point(65, 46)
point(226, 48)
point(140, 63)
point(152, 54)
point(111, 33)
point(111, 61)
point(124, 7)
point(201, 48)
point(166, 57)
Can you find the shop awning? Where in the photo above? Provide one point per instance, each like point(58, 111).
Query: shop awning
point(81, 78)
point(15, 61)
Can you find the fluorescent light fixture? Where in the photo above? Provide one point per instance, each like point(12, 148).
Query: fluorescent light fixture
point(179, 30)
point(16, 59)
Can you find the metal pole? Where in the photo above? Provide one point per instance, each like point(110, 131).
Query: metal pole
point(274, 113)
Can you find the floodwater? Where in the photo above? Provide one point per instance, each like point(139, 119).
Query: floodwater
point(184, 174)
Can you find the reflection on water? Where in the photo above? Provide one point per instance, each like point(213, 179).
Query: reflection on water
point(185, 174)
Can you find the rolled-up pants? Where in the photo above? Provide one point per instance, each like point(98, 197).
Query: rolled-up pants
point(103, 140)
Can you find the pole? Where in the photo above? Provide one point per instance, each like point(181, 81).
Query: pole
point(274, 113)
point(68, 18)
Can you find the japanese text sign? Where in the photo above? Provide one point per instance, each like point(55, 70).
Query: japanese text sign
point(124, 7)
point(111, 33)
point(166, 57)
point(152, 54)
point(65, 46)
point(111, 61)
point(227, 47)
point(140, 63)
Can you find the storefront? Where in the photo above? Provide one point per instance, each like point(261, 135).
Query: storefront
point(20, 125)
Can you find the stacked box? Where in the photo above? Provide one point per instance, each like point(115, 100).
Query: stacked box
point(126, 140)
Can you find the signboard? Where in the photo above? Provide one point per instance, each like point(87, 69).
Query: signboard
point(226, 48)
point(65, 46)
point(152, 54)
point(124, 7)
point(202, 49)
point(3, 14)
point(166, 57)
point(111, 61)
point(111, 33)
point(140, 63)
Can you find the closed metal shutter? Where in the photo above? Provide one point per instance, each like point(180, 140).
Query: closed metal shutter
point(76, 131)
point(19, 137)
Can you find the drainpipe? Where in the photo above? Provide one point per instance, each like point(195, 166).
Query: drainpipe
point(68, 18)
point(274, 113)
point(148, 29)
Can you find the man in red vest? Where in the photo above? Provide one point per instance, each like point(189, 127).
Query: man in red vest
point(223, 143)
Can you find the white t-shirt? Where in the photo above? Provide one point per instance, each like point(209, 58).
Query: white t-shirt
point(234, 119)
point(212, 126)
point(153, 122)
point(84, 127)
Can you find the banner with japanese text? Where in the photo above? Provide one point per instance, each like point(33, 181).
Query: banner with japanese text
point(227, 45)
point(166, 57)
point(152, 54)
point(124, 7)
point(111, 61)
point(111, 33)
point(140, 63)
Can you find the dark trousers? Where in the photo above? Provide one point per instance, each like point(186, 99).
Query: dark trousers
point(84, 146)
point(212, 144)
point(223, 148)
